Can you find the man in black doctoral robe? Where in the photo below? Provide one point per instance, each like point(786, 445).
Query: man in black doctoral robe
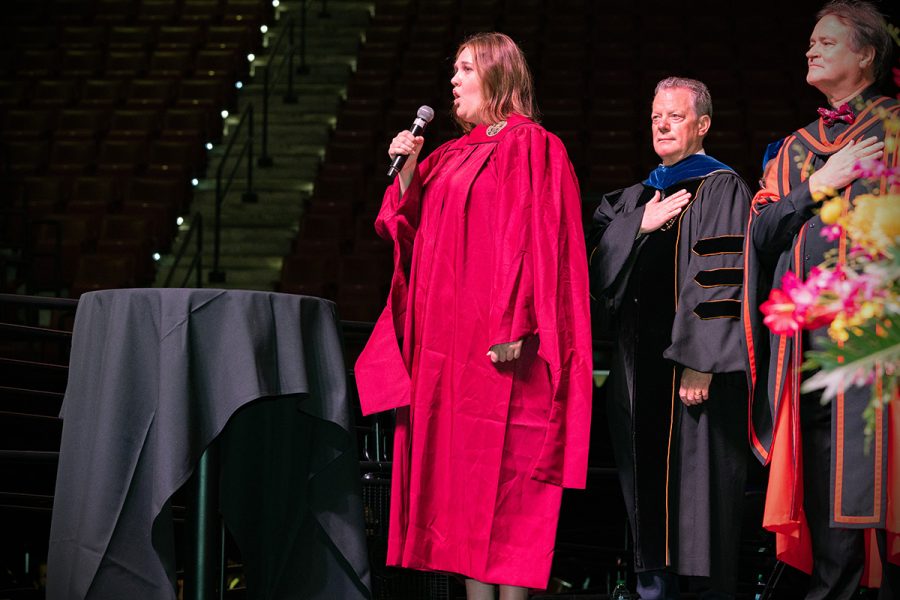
point(666, 261)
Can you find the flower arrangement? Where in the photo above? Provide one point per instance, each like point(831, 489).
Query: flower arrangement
point(857, 298)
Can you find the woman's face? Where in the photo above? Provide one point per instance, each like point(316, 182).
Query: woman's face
point(831, 60)
point(467, 97)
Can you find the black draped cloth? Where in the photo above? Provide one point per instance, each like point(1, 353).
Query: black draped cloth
point(155, 376)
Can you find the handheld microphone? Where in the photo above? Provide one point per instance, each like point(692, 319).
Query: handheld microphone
point(423, 117)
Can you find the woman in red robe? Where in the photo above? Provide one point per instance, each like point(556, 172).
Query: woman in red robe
point(484, 345)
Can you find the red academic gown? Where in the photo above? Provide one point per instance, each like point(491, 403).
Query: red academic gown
point(488, 249)
point(865, 485)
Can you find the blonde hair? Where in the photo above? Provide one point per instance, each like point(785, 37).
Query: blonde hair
point(506, 82)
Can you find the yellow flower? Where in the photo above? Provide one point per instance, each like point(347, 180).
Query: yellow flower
point(831, 211)
point(874, 222)
point(838, 329)
point(867, 310)
point(823, 194)
point(870, 310)
point(890, 120)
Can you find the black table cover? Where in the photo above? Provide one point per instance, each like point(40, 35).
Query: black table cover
point(155, 376)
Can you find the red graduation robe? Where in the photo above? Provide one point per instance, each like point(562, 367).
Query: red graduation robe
point(865, 487)
point(488, 249)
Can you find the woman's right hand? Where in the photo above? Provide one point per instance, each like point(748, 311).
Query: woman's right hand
point(406, 143)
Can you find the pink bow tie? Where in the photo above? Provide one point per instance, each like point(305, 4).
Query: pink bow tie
point(843, 113)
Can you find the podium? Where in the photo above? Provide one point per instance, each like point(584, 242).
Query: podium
point(157, 377)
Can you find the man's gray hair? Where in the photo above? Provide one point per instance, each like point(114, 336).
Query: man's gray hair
point(867, 28)
point(698, 89)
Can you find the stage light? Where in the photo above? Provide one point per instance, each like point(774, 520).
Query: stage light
point(264, 29)
point(224, 114)
point(209, 146)
point(238, 84)
point(195, 182)
point(156, 256)
point(251, 57)
point(179, 221)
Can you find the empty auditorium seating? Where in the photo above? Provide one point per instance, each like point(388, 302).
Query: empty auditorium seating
point(105, 110)
point(103, 271)
point(306, 273)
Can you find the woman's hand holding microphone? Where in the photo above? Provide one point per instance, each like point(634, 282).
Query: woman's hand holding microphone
point(410, 145)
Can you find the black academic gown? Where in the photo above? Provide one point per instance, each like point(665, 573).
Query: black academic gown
point(675, 299)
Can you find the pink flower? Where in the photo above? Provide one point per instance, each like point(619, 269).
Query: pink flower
point(862, 377)
point(868, 168)
point(827, 294)
point(823, 279)
point(832, 232)
point(875, 169)
point(820, 316)
point(801, 295)
point(780, 314)
point(860, 253)
point(868, 287)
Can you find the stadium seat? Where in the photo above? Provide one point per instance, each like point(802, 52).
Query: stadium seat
point(102, 271)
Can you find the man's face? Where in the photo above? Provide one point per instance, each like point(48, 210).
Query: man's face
point(831, 60)
point(677, 130)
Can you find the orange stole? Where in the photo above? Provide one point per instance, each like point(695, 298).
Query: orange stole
point(784, 515)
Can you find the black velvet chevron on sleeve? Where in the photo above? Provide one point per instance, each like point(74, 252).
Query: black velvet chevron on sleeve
point(719, 277)
point(719, 309)
point(723, 244)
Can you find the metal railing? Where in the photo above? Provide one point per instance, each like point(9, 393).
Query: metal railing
point(286, 35)
point(303, 68)
point(29, 328)
point(196, 266)
point(216, 275)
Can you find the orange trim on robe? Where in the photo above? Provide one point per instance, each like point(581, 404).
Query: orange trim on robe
point(784, 515)
point(871, 576)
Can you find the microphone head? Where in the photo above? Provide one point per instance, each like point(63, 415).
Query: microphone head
point(426, 113)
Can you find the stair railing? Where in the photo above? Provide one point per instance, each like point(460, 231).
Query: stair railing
point(285, 36)
point(217, 275)
point(20, 321)
point(196, 266)
point(303, 68)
